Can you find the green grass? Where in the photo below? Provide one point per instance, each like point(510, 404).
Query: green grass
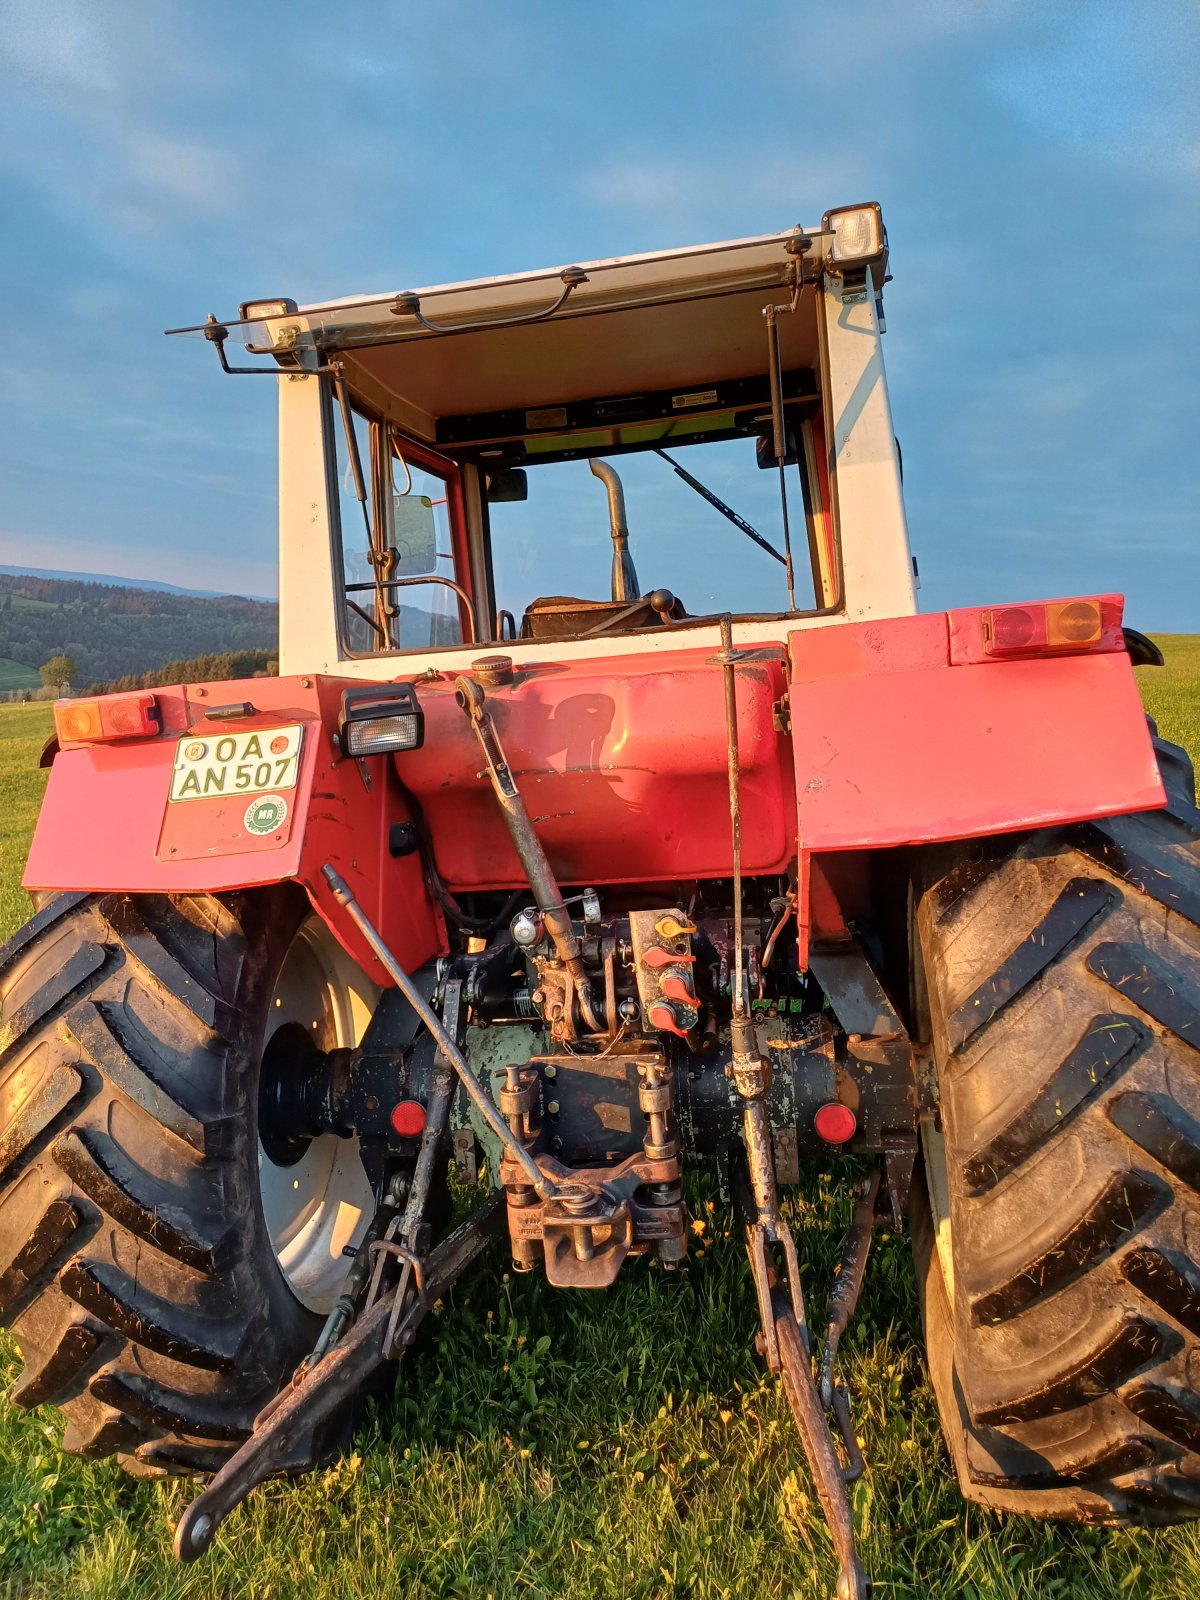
point(1172, 693)
point(555, 1445)
point(23, 732)
point(15, 675)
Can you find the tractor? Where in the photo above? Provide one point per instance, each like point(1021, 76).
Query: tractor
point(615, 811)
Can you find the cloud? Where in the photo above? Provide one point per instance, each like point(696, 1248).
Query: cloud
point(1038, 175)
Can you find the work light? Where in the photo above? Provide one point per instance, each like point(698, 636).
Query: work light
point(261, 310)
point(858, 235)
point(381, 719)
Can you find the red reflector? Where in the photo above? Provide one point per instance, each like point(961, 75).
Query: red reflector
point(408, 1118)
point(127, 716)
point(1015, 628)
point(835, 1123)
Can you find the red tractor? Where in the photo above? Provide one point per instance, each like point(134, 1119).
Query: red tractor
point(530, 866)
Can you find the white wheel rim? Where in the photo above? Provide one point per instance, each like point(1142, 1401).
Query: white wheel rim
point(319, 1207)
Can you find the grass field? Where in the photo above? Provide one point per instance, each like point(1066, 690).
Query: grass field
point(544, 1445)
point(15, 675)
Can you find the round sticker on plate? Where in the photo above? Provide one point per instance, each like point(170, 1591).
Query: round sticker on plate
point(195, 750)
point(266, 813)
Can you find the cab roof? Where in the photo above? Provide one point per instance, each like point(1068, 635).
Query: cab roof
point(673, 320)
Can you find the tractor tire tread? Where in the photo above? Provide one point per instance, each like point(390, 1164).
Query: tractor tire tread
point(154, 1323)
point(1063, 975)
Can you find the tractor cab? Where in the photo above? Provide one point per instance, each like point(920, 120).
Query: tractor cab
point(601, 454)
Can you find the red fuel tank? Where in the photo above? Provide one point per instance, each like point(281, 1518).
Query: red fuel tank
point(622, 764)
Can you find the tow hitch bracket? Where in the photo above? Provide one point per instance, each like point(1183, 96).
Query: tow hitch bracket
point(283, 1436)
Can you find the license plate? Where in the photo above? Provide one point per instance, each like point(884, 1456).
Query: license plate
point(208, 766)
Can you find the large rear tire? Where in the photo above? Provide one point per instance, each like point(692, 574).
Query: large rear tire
point(1060, 1268)
point(151, 1297)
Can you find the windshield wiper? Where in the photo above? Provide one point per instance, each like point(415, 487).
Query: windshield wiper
point(726, 511)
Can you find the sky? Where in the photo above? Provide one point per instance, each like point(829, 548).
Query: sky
point(1038, 167)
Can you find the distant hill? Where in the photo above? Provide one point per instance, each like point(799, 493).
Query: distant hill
point(116, 582)
point(113, 630)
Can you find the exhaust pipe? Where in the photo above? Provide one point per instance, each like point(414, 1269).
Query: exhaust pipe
point(624, 578)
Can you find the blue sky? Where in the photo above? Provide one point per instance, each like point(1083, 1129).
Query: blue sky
point(1038, 166)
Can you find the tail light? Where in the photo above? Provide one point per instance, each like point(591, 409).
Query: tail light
point(1077, 626)
point(1033, 629)
point(118, 716)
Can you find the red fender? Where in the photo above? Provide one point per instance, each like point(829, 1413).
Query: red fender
point(907, 732)
point(106, 824)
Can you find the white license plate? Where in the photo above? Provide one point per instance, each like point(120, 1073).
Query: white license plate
point(209, 765)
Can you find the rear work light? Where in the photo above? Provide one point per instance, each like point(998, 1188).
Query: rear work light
point(125, 716)
point(858, 235)
point(381, 719)
point(1042, 629)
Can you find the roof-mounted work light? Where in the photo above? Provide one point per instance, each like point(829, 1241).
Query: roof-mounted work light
point(263, 310)
point(858, 235)
point(380, 719)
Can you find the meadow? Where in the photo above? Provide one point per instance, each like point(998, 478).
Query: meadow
point(547, 1445)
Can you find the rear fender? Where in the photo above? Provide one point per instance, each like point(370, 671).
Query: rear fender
point(106, 823)
point(906, 732)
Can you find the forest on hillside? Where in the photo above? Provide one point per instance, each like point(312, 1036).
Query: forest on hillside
point(113, 632)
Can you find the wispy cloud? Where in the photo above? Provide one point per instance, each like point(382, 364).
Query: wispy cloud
point(1040, 178)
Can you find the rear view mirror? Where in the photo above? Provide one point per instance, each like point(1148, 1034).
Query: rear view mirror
point(414, 535)
point(507, 483)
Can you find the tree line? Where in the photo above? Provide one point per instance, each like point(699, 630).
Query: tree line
point(200, 669)
point(60, 675)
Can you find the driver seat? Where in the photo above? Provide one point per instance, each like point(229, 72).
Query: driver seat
point(561, 616)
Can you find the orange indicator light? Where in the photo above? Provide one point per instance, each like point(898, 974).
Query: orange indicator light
point(126, 716)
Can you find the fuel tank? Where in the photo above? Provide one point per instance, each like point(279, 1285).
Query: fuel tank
point(622, 764)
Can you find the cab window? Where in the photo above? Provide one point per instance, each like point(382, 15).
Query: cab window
point(397, 558)
point(703, 518)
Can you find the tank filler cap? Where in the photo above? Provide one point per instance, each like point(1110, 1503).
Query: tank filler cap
point(527, 929)
point(493, 671)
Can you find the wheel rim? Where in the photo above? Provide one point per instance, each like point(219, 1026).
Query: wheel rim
point(318, 1206)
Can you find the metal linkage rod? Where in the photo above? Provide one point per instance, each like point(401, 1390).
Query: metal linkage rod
point(528, 846)
point(344, 896)
point(728, 658)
